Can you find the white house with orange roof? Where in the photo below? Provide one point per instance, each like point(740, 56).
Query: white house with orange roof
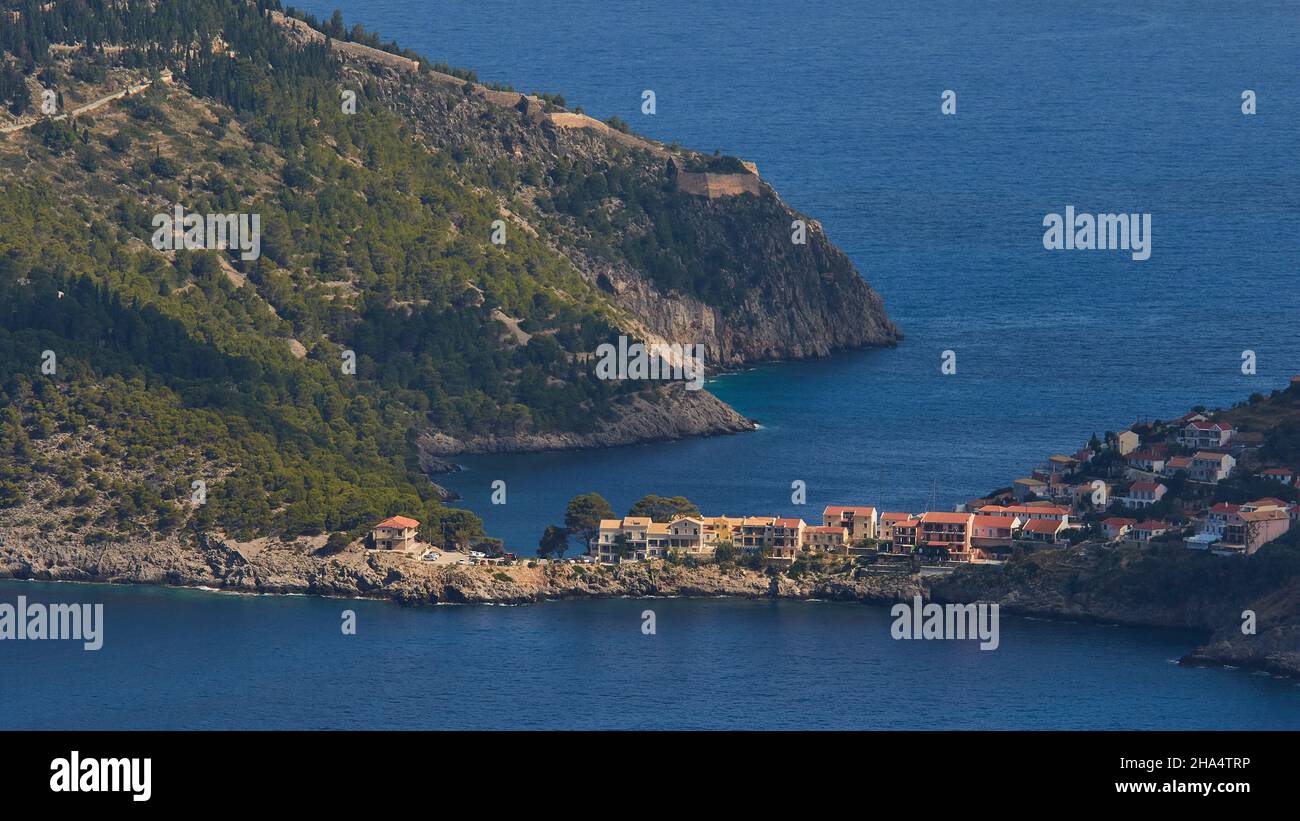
point(1215, 520)
point(1286, 476)
point(1203, 434)
point(1144, 494)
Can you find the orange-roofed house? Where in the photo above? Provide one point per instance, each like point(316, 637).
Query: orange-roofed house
point(1144, 494)
point(787, 538)
point(1211, 467)
point(860, 522)
point(991, 535)
point(1028, 512)
point(1284, 475)
point(1177, 464)
point(905, 535)
point(886, 523)
point(395, 533)
point(1042, 530)
point(946, 535)
point(1251, 528)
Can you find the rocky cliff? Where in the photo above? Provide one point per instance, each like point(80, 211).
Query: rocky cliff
point(688, 266)
point(673, 412)
point(1063, 585)
point(1159, 587)
point(274, 567)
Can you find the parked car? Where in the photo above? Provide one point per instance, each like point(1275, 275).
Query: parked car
point(431, 556)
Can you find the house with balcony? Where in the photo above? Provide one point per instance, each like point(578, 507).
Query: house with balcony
point(1046, 531)
point(1144, 494)
point(905, 535)
point(1211, 468)
point(860, 522)
point(946, 535)
point(826, 539)
point(626, 539)
point(782, 538)
point(1215, 520)
point(991, 536)
point(1250, 529)
point(787, 538)
point(1027, 512)
point(887, 522)
point(1203, 434)
point(395, 533)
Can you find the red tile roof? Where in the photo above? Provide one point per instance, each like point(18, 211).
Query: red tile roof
point(1152, 524)
point(836, 510)
point(398, 521)
point(1043, 526)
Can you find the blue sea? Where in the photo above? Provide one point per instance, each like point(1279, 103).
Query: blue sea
point(184, 659)
point(1108, 106)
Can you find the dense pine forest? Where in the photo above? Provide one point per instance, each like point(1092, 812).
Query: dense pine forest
point(196, 366)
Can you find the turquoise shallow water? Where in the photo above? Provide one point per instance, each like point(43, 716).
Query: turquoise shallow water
point(191, 659)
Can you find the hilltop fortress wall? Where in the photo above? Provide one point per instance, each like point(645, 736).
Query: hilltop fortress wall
point(702, 184)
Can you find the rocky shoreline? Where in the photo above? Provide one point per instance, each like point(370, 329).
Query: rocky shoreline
point(297, 568)
point(678, 413)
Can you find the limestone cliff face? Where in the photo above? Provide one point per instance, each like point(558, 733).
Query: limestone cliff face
point(768, 297)
point(799, 302)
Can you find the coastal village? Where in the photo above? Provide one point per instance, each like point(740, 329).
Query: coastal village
point(1152, 482)
point(1107, 492)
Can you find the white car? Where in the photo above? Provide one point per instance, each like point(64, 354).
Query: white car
point(462, 561)
point(474, 554)
point(431, 557)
